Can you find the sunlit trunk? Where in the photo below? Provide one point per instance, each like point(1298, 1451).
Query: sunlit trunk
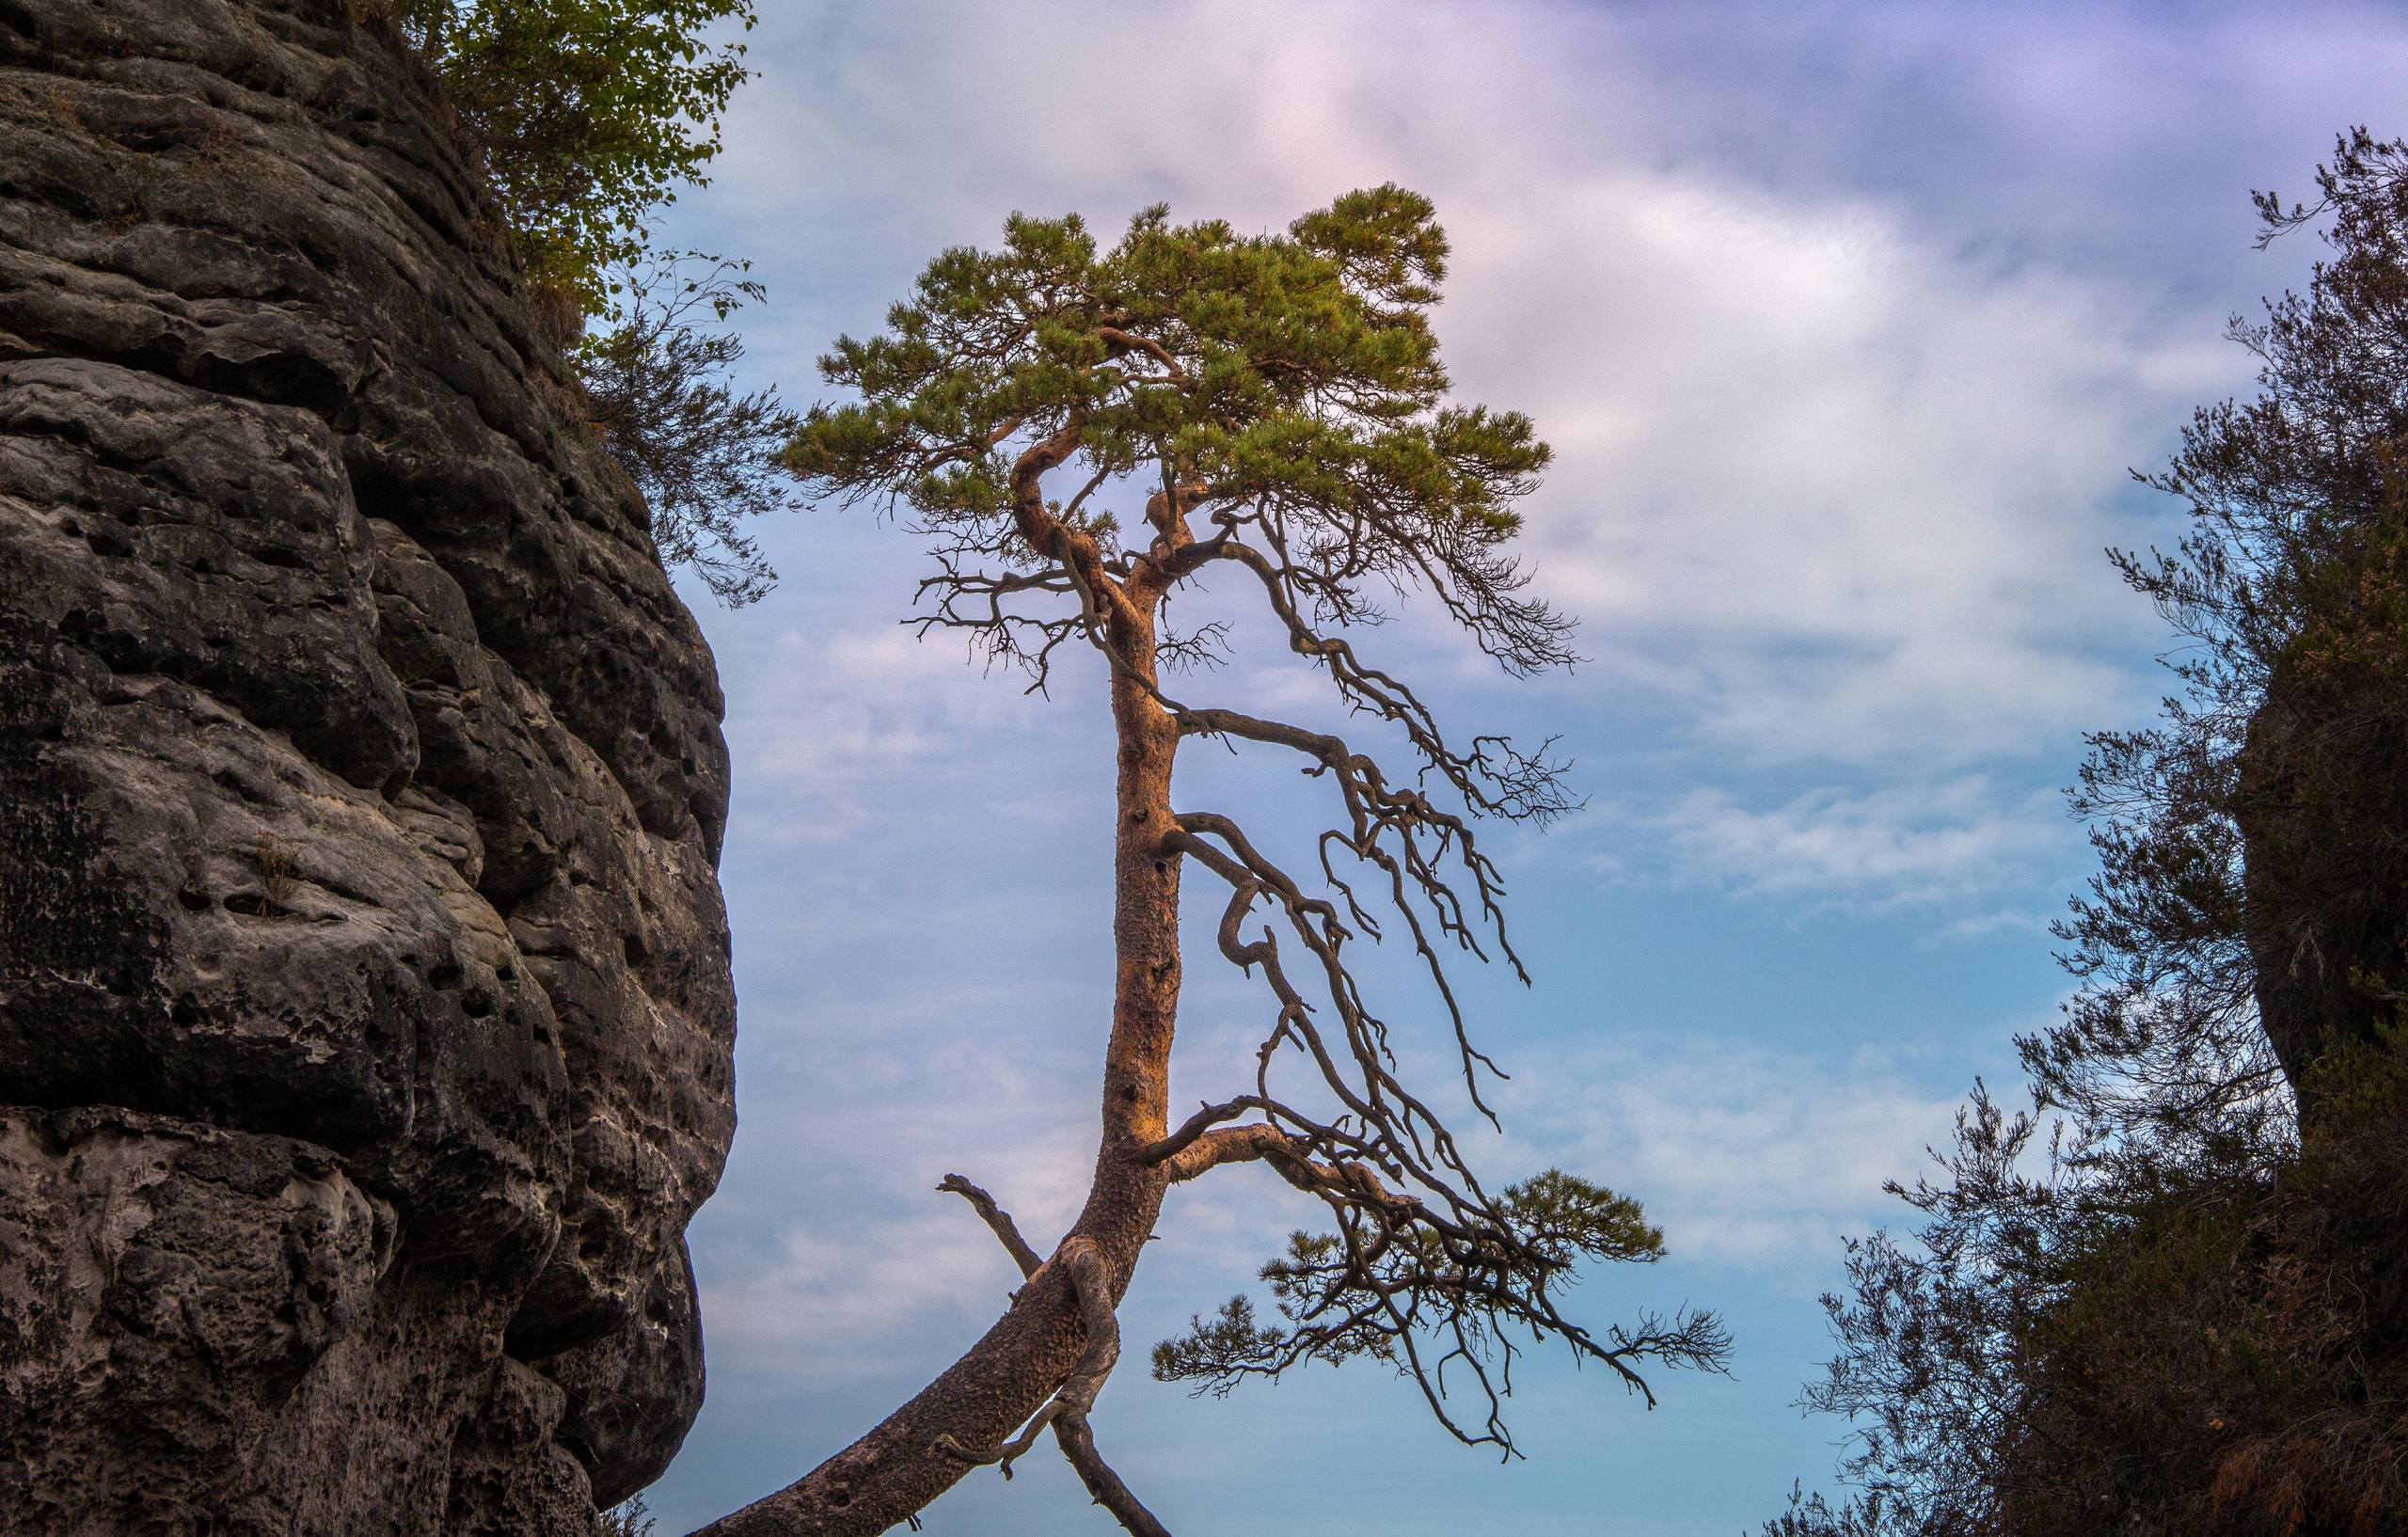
point(896, 1469)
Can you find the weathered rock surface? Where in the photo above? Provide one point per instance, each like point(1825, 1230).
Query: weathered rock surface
point(365, 1017)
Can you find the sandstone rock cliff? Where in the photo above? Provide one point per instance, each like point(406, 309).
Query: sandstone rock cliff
point(365, 1017)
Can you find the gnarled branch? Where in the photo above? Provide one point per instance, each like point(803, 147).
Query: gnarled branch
point(1066, 1412)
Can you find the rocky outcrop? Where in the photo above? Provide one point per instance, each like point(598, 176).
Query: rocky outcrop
point(365, 1017)
point(2322, 806)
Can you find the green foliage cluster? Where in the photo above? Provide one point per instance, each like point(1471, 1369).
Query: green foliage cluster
point(2190, 1314)
point(1327, 1289)
point(1295, 371)
point(586, 117)
point(588, 114)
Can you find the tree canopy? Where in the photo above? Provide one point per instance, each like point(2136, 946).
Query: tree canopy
point(1287, 384)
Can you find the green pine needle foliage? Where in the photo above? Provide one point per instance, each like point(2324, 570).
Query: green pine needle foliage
point(1308, 373)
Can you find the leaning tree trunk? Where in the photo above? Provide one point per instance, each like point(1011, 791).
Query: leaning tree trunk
point(899, 1467)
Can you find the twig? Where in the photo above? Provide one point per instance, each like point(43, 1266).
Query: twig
point(997, 1218)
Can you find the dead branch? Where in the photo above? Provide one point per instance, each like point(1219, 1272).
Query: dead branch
point(1418, 1245)
point(1104, 1485)
point(997, 1218)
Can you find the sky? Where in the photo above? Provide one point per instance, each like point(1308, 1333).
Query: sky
point(1847, 322)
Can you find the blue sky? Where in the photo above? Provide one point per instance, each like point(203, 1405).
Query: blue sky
point(1847, 322)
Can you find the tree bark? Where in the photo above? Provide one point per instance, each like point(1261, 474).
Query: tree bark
point(896, 1469)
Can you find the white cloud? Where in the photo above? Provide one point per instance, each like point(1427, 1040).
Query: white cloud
point(1745, 1156)
point(846, 720)
point(1836, 483)
point(827, 1303)
point(1832, 479)
point(830, 1242)
point(1926, 842)
point(1835, 478)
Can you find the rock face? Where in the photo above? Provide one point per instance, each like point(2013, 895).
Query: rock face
point(2322, 811)
point(365, 1017)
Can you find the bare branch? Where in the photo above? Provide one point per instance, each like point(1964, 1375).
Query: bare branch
point(997, 1218)
point(1418, 1245)
point(1078, 1444)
